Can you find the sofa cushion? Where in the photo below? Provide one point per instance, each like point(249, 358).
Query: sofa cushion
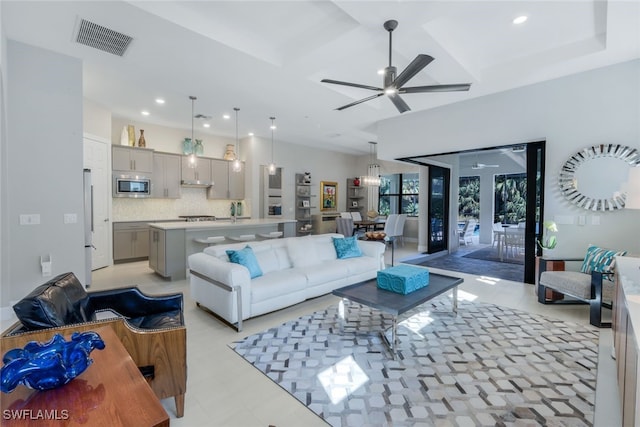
point(574, 283)
point(360, 265)
point(302, 252)
point(324, 247)
point(246, 258)
point(277, 283)
point(61, 301)
point(327, 271)
point(601, 260)
point(347, 247)
point(267, 259)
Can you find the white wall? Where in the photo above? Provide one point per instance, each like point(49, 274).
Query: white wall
point(4, 294)
point(96, 119)
point(43, 167)
point(570, 113)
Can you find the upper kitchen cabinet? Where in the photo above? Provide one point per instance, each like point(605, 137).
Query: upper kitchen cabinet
point(227, 184)
point(166, 176)
point(131, 160)
point(198, 175)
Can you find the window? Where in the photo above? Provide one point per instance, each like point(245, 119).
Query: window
point(398, 193)
point(469, 197)
point(510, 192)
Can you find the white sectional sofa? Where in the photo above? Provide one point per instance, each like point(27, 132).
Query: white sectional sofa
point(294, 269)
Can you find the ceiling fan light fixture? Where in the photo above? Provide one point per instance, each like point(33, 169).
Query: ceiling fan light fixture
point(520, 19)
point(390, 91)
point(272, 165)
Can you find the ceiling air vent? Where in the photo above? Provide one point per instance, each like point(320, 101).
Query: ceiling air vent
point(103, 38)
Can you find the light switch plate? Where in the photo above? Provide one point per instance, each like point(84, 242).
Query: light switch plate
point(29, 219)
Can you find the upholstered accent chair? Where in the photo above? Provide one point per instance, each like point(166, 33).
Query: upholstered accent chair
point(151, 328)
point(592, 285)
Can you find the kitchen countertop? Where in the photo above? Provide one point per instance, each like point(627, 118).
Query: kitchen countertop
point(629, 275)
point(219, 223)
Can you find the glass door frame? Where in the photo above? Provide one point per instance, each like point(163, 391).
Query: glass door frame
point(436, 172)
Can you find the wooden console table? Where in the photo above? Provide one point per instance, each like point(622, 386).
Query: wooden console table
point(111, 392)
point(626, 337)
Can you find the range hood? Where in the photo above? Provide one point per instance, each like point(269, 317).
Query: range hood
point(194, 183)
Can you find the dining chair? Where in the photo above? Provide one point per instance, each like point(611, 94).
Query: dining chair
point(356, 216)
point(390, 224)
point(345, 215)
point(345, 226)
point(398, 229)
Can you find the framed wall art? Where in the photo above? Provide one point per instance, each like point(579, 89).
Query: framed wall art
point(329, 196)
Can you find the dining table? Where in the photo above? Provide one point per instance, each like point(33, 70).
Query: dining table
point(369, 224)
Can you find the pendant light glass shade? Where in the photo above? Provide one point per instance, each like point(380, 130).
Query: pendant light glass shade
point(272, 165)
point(193, 161)
point(372, 178)
point(236, 166)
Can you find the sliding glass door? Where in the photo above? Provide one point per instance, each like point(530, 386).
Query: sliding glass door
point(438, 209)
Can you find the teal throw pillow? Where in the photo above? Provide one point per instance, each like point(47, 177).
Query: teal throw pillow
point(600, 259)
point(347, 247)
point(247, 258)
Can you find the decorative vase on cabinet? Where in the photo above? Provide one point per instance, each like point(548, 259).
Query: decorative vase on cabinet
point(141, 140)
point(187, 146)
point(198, 149)
point(131, 130)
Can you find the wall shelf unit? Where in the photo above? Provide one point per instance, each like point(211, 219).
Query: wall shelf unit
point(357, 198)
point(304, 205)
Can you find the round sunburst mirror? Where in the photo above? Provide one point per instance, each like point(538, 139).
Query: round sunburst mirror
point(593, 178)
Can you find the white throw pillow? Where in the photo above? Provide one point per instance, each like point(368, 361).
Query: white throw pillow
point(302, 252)
point(325, 248)
point(267, 259)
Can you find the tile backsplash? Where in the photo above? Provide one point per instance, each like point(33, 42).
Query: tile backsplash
point(193, 201)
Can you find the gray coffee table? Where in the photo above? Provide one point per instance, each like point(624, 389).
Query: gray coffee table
point(367, 293)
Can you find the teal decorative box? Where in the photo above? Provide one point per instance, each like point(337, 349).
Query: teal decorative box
point(403, 279)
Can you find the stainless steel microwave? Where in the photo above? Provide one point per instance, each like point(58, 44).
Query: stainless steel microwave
point(131, 186)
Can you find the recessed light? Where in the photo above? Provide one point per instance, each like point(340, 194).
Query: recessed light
point(207, 125)
point(520, 19)
point(250, 133)
point(159, 101)
point(145, 112)
point(226, 116)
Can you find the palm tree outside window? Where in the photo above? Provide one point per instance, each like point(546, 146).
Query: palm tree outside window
point(398, 193)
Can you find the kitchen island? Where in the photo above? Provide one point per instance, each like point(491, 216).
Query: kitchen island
point(170, 243)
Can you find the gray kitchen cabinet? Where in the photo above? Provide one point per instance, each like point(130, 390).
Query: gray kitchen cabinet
point(227, 184)
point(130, 241)
point(167, 253)
point(200, 173)
point(157, 256)
point(166, 176)
point(131, 159)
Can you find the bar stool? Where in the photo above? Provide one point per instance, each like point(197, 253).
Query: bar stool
point(242, 238)
point(272, 235)
point(213, 240)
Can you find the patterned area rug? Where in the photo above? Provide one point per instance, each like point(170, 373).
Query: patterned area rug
point(490, 254)
point(487, 366)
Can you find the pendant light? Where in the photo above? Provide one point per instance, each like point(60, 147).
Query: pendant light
point(272, 165)
point(237, 164)
point(372, 178)
point(193, 161)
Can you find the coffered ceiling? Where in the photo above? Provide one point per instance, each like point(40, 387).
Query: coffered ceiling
point(268, 57)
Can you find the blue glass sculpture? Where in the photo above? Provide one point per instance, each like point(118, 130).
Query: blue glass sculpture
point(49, 365)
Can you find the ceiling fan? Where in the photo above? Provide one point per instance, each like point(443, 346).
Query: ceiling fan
point(482, 166)
point(394, 86)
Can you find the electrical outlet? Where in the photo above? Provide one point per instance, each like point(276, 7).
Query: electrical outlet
point(70, 218)
point(595, 220)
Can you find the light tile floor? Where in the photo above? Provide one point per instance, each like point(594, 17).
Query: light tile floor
point(224, 390)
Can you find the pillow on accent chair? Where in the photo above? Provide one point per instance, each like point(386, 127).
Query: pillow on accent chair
point(600, 259)
point(247, 258)
point(347, 247)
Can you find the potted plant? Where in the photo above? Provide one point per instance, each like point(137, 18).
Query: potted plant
point(548, 241)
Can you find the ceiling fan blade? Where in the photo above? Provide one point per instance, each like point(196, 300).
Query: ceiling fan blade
point(399, 103)
point(360, 101)
point(412, 69)
point(436, 88)
point(337, 82)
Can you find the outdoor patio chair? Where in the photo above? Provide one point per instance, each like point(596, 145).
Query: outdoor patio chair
point(466, 234)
